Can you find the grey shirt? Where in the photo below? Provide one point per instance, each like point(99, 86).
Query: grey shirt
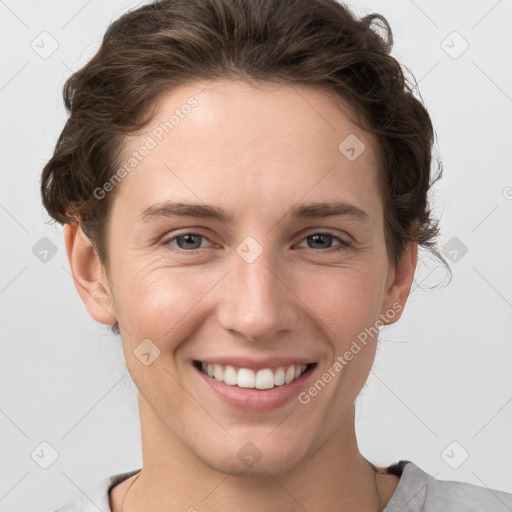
point(417, 491)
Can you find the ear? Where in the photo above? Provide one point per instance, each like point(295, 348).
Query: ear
point(399, 283)
point(89, 275)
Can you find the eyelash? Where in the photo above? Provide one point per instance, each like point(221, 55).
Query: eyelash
point(342, 243)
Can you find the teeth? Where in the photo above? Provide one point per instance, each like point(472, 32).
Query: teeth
point(246, 378)
point(217, 372)
point(279, 377)
point(230, 376)
point(290, 375)
point(265, 379)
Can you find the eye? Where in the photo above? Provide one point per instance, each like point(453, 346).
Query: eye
point(322, 240)
point(186, 242)
point(191, 243)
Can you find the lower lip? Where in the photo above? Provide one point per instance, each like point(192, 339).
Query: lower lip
point(256, 399)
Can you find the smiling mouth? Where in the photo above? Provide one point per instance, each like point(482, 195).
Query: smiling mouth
point(265, 378)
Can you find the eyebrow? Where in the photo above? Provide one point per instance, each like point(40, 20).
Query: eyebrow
point(303, 211)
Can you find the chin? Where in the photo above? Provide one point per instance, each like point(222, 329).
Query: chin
point(251, 456)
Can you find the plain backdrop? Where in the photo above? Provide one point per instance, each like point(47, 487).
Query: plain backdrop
point(440, 391)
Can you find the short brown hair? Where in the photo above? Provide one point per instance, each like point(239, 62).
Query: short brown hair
point(157, 47)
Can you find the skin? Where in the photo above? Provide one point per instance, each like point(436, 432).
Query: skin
point(256, 152)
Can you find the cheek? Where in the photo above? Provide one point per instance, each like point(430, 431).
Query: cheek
point(162, 303)
point(346, 299)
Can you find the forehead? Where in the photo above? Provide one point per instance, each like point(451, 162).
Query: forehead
point(228, 140)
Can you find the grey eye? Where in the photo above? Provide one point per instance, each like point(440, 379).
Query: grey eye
point(189, 241)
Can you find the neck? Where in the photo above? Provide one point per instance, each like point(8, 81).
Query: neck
point(334, 477)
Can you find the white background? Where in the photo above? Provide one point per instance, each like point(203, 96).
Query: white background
point(442, 374)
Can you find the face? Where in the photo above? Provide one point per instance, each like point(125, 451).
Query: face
point(275, 257)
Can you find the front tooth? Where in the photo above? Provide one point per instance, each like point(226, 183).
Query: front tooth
point(245, 378)
point(209, 370)
point(279, 377)
point(230, 376)
point(290, 374)
point(264, 379)
point(218, 373)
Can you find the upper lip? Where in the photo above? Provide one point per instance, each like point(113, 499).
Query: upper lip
point(257, 364)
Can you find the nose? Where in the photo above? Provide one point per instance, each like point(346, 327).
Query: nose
point(257, 299)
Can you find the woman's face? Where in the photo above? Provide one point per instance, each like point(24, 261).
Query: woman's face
point(252, 271)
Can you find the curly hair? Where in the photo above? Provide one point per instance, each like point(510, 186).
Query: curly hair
point(158, 47)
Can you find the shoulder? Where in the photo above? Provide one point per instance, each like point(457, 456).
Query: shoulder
point(446, 492)
point(96, 497)
point(451, 495)
point(418, 491)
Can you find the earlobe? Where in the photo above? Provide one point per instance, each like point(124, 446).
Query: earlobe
point(399, 288)
point(90, 280)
